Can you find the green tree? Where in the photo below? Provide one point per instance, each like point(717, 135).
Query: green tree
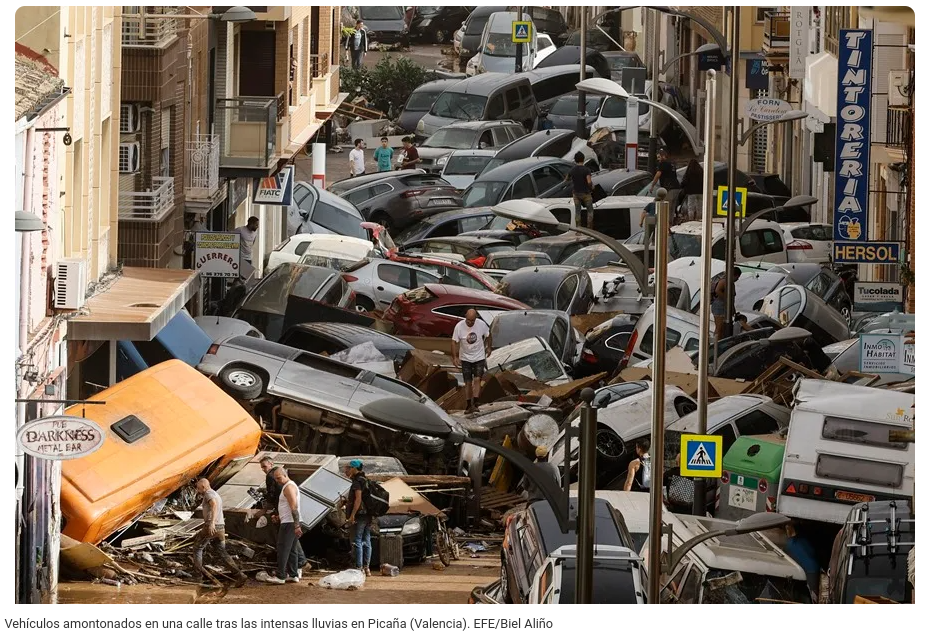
point(387, 85)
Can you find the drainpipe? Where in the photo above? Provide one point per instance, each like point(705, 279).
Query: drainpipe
point(25, 274)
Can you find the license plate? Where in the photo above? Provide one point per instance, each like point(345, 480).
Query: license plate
point(742, 498)
point(848, 496)
point(441, 201)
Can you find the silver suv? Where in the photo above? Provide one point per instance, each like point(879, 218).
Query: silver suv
point(435, 151)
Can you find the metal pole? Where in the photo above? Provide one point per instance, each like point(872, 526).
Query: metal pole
point(519, 48)
point(731, 168)
point(580, 116)
point(657, 451)
point(789, 155)
point(653, 139)
point(704, 338)
point(585, 546)
point(632, 133)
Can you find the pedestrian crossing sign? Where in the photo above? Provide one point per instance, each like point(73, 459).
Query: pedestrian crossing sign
point(520, 32)
point(701, 456)
point(723, 201)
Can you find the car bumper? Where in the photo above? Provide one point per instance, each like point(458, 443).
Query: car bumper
point(390, 37)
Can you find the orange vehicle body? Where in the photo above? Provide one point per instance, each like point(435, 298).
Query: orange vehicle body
point(195, 429)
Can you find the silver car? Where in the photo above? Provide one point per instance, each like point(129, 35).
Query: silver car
point(248, 368)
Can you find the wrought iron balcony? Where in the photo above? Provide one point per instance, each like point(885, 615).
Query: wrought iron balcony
point(898, 127)
point(320, 64)
point(203, 160)
point(152, 205)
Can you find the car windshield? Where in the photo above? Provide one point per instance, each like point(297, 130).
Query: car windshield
point(421, 101)
point(533, 291)
point(591, 258)
point(273, 291)
point(568, 105)
point(455, 138)
point(341, 263)
point(338, 219)
point(459, 106)
point(618, 62)
point(493, 163)
point(542, 366)
point(466, 165)
point(514, 327)
point(616, 107)
point(483, 193)
point(513, 263)
point(499, 45)
point(813, 233)
point(382, 13)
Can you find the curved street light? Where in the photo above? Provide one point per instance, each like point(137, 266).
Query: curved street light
point(601, 86)
point(28, 222)
point(788, 116)
point(710, 47)
point(707, 26)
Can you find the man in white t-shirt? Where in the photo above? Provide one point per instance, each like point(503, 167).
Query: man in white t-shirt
point(471, 346)
point(248, 235)
point(357, 164)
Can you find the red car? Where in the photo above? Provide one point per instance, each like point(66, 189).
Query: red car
point(434, 310)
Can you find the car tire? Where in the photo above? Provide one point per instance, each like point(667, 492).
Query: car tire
point(440, 36)
point(608, 444)
point(427, 444)
point(382, 219)
point(241, 382)
point(363, 304)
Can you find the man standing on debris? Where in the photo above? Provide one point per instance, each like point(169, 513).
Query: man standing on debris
point(718, 301)
point(288, 548)
point(471, 346)
point(213, 530)
point(581, 178)
point(639, 472)
point(357, 44)
point(357, 516)
point(411, 154)
point(355, 157)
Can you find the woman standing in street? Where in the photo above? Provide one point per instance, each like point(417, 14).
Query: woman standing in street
point(692, 191)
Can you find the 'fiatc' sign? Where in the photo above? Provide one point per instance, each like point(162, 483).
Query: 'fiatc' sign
point(853, 139)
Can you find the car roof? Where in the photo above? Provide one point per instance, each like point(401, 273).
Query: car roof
point(456, 213)
point(482, 84)
point(501, 17)
point(552, 537)
point(620, 54)
point(554, 239)
point(719, 411)
point(439, 290)
point(515, 168)
point(537, 74)
point(555, 270)
point(351, 332)
point(474, 152)
point(531, 142)
point(436, 85)
point(466, 240)
point(479, 124)
point(502, 254)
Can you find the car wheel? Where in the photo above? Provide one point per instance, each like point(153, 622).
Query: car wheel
point(427, 444)
point(440, 36)
point(609, 444)
point(846, 312)
point(382, 219)
point(241, 382)
point(363, 304)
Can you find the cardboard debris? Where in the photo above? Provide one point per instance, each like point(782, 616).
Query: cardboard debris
point(404, 499)
point(566, 391)
point(429, 343)
point(585, 322)
point(777, 382)
point(81, 556)
point(688, 383)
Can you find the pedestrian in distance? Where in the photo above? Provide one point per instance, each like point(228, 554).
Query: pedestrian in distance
point(383, 156)
point(248, 234)
point(581, 178)
point(692, 192)
point(411, 154)
point(290, 531)
point(355, 157)
point(357, 43)
point(470, 346)
point(357, 517)
point(213, 533)
point(718, 301)
point(639, 471)
point(665, 176)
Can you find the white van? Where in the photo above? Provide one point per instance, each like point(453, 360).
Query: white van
point(763, 241)
point(839, 451)
point(617, 216)
point(497, 52)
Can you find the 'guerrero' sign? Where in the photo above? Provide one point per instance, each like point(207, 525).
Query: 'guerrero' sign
point(853, 140)
point(60, 437)
point(218, 254)
point(766, 109)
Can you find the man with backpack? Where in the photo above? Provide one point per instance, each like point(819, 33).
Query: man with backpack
point(365, 501)
point(639, 471)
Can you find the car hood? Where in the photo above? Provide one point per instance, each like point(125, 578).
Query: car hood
point(408, 120)
point(387, 26)
point(430, 123)
point(433, 153)
point(494, 64)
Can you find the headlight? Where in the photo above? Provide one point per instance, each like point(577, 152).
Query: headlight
point(412, 526)
point(441, 160)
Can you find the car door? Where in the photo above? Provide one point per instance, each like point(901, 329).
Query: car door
point(523, 188)
point(559, 340)
point(391, 280)
point(301, 372)
point(566, 293)
point(546, 178)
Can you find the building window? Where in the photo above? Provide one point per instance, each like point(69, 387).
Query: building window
point(761, 12)
point(836, 18)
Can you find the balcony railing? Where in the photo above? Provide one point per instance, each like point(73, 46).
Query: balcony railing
point(898, 127)
point(249, 132)
point(203, 159)
point(320, 64)
point(142, 30)
point(777, 37)
point(152, 205)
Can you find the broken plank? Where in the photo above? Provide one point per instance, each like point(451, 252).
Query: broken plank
point(157, 536)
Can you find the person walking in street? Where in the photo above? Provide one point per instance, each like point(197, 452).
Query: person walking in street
point(719, 301)
point(470, 346)
point(639, 471)
point(357, 162)
point(411, 154)
point(692, 192)
point(357, 44)
point(357, 517)
point(581, 178)
point(665, 176)
point(248, 234)
point(383, 156)
point(213, 532)
point(290, 530)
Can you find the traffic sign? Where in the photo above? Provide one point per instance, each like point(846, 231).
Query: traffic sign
point(520, 32)
point(701, 456)
point(723, 196)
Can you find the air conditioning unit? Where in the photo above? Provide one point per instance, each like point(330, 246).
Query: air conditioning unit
point(70, 284)
point(129, 119)
point(129, 157)
point(898, 90)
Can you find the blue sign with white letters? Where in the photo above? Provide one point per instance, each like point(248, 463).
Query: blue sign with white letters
point(853, 137)
point(757, 74)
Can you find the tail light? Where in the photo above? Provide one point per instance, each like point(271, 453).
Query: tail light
point(408, 194)
point(349, 278)
point(763, 485)
point(725, 477)
point(477, 262)
point(589, 356)
point(213, 349)
point(799, 245)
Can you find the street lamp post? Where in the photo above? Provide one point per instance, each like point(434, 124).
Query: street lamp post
point(580, 116)
point(588, 423)
point(731, 168)
point(710, 47)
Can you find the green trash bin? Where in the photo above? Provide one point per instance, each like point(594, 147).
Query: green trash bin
point(751, 472)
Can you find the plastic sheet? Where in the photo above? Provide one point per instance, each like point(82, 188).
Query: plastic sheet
point(344, 580)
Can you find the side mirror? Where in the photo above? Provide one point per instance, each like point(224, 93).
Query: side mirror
point(304, 214)
point(605, 401)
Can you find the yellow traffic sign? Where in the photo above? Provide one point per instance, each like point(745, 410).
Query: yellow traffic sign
point(723, 201)
point(702, 456)
point(520, 32)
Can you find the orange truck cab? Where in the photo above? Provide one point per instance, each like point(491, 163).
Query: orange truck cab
point(164, 427)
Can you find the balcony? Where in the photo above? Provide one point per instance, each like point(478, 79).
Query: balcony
point(142, 30)
point(898, 127)
point(251, 128)
point(777, 38)
point(319, 64)
point(203, 159)
point(152, 205)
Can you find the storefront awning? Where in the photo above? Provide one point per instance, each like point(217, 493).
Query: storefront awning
point(135, 306)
